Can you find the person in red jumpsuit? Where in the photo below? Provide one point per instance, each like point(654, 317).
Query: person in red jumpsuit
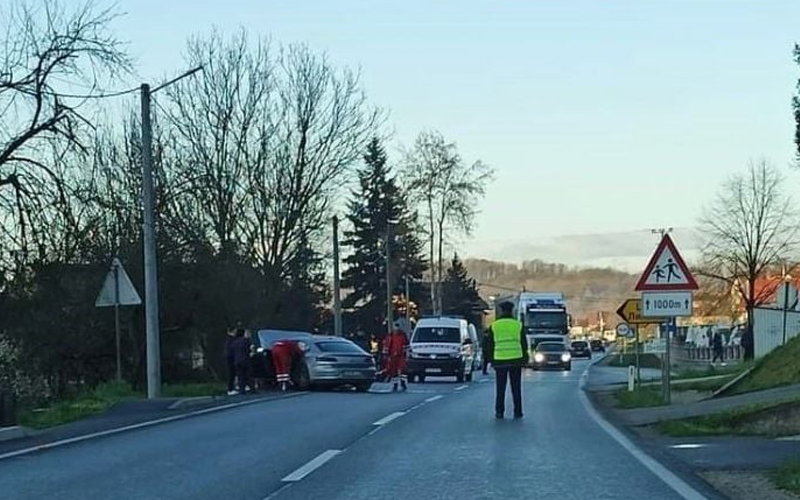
point(395, 347)
point(283, 352)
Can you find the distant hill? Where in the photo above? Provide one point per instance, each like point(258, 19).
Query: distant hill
point(589, 291)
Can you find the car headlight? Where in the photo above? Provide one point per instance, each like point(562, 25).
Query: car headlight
point(538, 357)
point(566, 357)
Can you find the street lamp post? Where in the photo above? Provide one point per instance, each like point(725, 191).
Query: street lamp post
point(150, 256)
point(337, 295)
point(389, 305)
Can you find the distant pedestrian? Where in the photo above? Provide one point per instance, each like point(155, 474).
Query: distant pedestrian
point(396, 347)
point(230, 361)
point(508, 348)
point(717, 346)
point(485, 351)
point(284, 352)
point(241, 357)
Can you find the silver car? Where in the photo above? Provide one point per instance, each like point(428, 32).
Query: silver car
point(327, 361)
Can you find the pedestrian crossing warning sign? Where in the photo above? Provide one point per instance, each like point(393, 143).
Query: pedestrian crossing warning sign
point(666, 270)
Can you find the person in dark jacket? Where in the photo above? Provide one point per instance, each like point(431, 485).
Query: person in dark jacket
point(241, 358)
point(230, 337)
point(508, 348)
point(716, 344)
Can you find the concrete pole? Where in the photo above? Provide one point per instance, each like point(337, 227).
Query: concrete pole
point(150, 259)
point(337, 298)
point(116, 322)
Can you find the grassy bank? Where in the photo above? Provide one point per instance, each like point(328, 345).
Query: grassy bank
point(778, 368)
point(645, 360)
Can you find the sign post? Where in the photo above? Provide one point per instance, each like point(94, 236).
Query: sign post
point(117, 291)
point(666, 285)
point(631, 312)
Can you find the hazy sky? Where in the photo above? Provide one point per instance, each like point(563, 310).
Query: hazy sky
point(598, 116)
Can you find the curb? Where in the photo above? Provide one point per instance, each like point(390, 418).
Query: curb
point(15, 432)
point(143, 425)
point(192, 402)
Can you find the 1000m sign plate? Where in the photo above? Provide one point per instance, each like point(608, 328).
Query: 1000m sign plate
point(667, 304)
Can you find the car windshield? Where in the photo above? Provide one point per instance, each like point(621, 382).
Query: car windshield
point(550, 347)
point(580, 345)
point(546, 319)
point(539, 340)
point(339, 347)
point(437, 334)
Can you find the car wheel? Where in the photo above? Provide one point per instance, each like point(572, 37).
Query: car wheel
point(421, 379)
point(302, 379)
point(363, 387)
point(459, 377)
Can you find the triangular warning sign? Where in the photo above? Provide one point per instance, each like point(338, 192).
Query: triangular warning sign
point(666, 270)
point(117, 288)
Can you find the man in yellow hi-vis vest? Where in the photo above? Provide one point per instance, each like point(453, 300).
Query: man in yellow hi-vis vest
point(508, 349)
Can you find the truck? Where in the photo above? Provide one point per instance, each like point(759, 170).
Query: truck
point(543, 315)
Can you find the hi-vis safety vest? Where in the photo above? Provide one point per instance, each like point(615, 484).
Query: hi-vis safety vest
point(507, 339)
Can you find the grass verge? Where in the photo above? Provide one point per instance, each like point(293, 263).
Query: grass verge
point(102, 398)
point(769, 419)
point(703, 385)
point(710, 371)
point(642, 397)
point(788, 477)
point(90, 403)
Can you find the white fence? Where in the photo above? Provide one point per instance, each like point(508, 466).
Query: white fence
point(769, 331)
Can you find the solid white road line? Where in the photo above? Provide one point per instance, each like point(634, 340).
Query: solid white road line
point(460, 387)
point(388, 418)
point(680, 486)
point(142, 425)
point(434, 398)
point(311, 466)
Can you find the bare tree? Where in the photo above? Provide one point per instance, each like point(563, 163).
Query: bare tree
point(448, 190)
point(52, 61)
point(751, 227)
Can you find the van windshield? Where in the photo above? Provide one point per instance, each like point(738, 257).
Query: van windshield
point(437, 334)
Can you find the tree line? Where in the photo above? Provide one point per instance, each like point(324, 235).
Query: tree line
point(251, 157)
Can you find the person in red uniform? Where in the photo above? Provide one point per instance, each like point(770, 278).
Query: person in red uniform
point(395, 347)
point(283, 352)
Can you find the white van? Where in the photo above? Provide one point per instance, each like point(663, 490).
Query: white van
point(441, 347)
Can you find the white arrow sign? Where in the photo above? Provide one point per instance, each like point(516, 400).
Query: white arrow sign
point(666, 304)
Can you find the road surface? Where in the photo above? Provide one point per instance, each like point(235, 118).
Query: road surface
point(438, 441)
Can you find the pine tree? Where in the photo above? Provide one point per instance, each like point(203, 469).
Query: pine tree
point(377, 201)
point(460, 292)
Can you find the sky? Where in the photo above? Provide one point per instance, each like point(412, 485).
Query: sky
point(599, 117)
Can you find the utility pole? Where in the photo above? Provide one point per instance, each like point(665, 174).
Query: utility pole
point(337, 299)
point(150, 259)
point(116, 322)
point(408, 302)
point(389, 305)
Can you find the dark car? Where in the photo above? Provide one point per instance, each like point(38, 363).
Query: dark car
point(598, 346)
point(552, 355)
point(581, 349)
point(327, 361)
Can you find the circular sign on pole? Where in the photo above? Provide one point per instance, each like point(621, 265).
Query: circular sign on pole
point(623, 330)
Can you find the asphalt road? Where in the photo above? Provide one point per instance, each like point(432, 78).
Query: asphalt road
point(438, 441)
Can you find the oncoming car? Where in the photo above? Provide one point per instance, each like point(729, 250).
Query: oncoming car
point(552, 355)
point(326, 362)
point(581, 349)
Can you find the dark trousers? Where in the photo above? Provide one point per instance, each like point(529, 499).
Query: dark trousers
point(718, 354)
point(504, 373)
point(243, 373)
point(231, 375)
point(485, 364)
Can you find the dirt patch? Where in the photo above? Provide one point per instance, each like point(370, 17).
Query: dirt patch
point(782, 420)
point(745, 485)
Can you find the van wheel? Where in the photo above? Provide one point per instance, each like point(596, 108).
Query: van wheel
point(459, 377)
point(421, 379)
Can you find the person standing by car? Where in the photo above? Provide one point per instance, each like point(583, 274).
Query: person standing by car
point(508, 348)
point(283, 353)
point(241, 358)
point(396, 345)
point(230, 338)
